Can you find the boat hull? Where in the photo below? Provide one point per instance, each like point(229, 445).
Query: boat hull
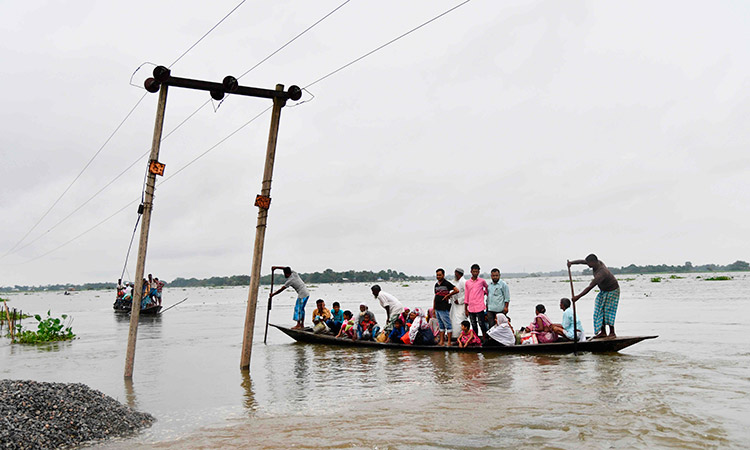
point(591, 346)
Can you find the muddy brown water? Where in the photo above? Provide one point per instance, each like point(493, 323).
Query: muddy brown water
point(687, 389)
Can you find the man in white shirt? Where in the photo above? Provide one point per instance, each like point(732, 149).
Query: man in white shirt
point(393, 307)
point(458, 309)
point(293, 279)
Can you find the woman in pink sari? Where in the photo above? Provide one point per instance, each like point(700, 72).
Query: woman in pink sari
point(542, 326)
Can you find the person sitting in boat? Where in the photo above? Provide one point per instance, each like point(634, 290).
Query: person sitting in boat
point(337, 318)
point(348, 327)
point(364, 312)
point(405, 318)
point(565, 330)
point(320, 316)
point(434, 323)
point(468, 338)
point(393, 307)
point(398, 332)
point(501, 332)
point(542, 326)
point(420, 332)
point(368, 328)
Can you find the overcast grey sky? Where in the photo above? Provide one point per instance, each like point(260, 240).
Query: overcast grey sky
point(511, 134)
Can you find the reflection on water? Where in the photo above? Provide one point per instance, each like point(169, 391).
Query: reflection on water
point(675, 391)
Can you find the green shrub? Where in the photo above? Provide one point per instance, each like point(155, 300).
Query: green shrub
point(48, 330)
point(719, 278)
point(656, 279)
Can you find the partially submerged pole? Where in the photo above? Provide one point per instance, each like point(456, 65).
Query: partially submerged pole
point(135, 309)
point(263, 202)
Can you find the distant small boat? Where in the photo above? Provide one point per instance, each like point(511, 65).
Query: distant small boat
point(591, 346)
point(123, 307)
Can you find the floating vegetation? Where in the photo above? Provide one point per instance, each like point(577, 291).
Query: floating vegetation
point(656, 280)
point(675, 277)
point(719, 278)
point(404, 285)
point(627, 279)
point(568, 281)
point(49, 329)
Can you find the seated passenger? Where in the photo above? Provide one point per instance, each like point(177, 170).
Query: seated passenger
point(368, 328)
point(420, 332)
point(501, 332)
point(337, 318)
point(432, 320)
point(566, 328)
point(467, 338)
point(348, 327)
point(542, 326)
point(398, 331)
point(320, 313)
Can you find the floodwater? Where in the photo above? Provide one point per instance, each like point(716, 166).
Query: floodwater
point(687, 389)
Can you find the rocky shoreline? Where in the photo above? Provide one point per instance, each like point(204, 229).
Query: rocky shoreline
point(36, 415)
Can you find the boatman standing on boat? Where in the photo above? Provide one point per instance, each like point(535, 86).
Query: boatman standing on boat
point(393, 307)
point(293, 279)
point(605, 306)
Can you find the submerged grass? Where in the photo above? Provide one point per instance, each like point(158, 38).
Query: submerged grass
point(718, 278)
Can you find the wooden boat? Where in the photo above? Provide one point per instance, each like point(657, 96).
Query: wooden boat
point(124, 308)
point(591, 346)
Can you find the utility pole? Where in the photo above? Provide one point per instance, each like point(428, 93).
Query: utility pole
point(161, 79)
point(148, 204)
point(263, 202)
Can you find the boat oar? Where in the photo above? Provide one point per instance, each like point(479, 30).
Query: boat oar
point(173, 305)
point(575, 321)
point(270, 296)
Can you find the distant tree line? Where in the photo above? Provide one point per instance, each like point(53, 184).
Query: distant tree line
point(327, 276)
point(737, 266)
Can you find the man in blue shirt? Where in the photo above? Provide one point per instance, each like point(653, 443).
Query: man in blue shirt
point(567, 321)
point(498, 297)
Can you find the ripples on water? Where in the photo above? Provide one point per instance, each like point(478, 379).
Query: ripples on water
point(687, 389)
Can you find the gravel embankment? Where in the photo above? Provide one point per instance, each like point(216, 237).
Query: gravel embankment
point(37, 415)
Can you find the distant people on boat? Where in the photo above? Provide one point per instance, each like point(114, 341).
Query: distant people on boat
point(458, 308)
point(475, 294)
point(420, 332)
point(398, 332)
point(120, 288)
point(605, 305)
point(337, 318)
point(468, 338)
point(159, 286)
point(393, 307)
point(501, 331)
point(153, 289)
point(498, 297)
point(441, 304)
point(542, 326)
point(320, 316)
point(293, 279)
point(348, 327)
point(566, 328)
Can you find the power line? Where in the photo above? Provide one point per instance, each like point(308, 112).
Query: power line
point(387, 44)
point(208, 32)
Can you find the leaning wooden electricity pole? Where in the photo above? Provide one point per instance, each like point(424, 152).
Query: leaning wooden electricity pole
point(263, 201)
point(148, 202)
point(161, 79)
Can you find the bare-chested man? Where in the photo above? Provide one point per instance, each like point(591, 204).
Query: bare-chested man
point(605, 306)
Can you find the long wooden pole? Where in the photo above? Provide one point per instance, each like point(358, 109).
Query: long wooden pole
point(260, 233)
point(268, 310)
point(135, 309)
point(573, 304)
